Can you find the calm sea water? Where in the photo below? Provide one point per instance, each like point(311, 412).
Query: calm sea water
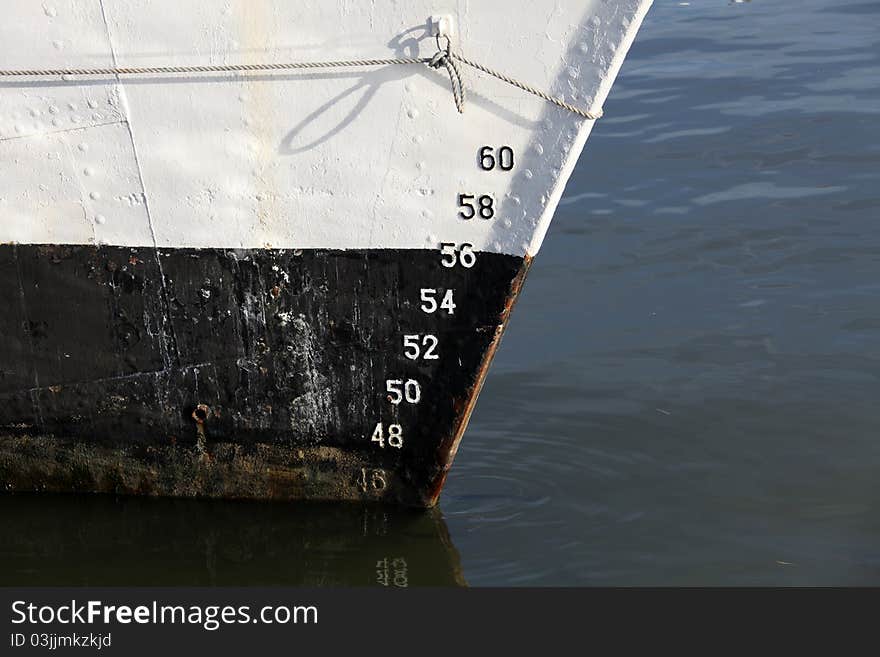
point(688, 392)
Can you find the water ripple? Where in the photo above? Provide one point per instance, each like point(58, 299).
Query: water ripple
point(687, 392)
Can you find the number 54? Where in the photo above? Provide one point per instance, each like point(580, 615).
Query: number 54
point(429, 301)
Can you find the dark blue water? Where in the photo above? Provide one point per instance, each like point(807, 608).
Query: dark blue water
point(689, 391)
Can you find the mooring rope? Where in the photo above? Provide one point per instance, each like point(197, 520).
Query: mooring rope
point(592, 116)
point(216, 68)
point(445, 57)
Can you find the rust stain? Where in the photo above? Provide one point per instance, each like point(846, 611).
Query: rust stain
point(449, 447)
point(201, 414)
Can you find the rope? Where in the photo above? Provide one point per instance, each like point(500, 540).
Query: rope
point(592, 116)
point(444, 57)
point(218, 68)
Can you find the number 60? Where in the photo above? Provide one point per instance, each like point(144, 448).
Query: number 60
point(505, 159)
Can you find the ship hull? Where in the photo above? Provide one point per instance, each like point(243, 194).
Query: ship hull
point(256, 373)
point(254, 249)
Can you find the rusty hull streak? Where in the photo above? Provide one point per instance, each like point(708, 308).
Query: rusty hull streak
point(449, 447)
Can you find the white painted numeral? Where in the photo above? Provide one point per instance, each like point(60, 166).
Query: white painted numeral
point(430, 342)
point(398, 390)
point(429, 301)
point(466, 256)
point(371, 479)
point(448, 304)
point(463, 255)
point(378, 435)
point(394, 436)
point(450, 257)
point(424, 346)
point(411, 348)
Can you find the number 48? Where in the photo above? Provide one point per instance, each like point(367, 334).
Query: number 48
point(394, 436)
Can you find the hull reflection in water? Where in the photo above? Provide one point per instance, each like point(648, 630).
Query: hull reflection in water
point(105, 541)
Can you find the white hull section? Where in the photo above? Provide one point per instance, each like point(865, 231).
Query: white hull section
point(361, 158)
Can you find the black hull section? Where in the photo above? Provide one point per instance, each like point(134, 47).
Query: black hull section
point(240, 373)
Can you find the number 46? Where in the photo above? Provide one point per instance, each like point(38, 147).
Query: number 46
point(429, 301)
